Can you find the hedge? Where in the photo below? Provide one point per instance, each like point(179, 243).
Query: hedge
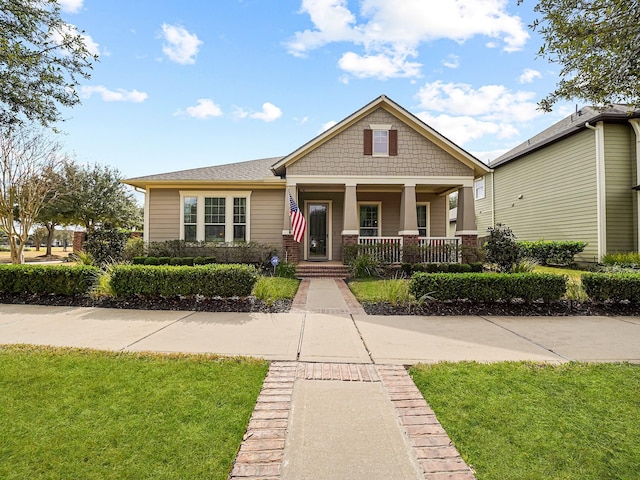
point(47, 279)
point(549, 252)
point(169, 281)
point(488, 287)
point(612, 286)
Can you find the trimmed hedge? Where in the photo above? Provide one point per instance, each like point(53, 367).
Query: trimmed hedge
point(407, 268)
point(488, 287)
point(169, 281)
point(612, 286)
point(47, 279)
point(548, 252)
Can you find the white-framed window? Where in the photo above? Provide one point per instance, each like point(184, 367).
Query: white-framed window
point(380, 142)
point(422, 211)
point(214, 216)
point(478, 188)
point(370, 219)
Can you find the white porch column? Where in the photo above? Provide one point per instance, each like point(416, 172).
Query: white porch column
point(350, 225)
point(408, 213)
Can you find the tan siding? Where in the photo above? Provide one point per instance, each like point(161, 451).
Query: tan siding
point(439, 215)
point(619, 178)
point(344, 154)
point(267, 210)
point(164, 214)
point(484, 206)
point(558, 188)
point(390, 210)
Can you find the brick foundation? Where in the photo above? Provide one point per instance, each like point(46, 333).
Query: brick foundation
point(290, 249)
point(469, 248)
point(348, 240)
point(78, 241)
point(410, 249)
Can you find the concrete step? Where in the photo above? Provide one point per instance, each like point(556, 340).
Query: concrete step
point(322, 271)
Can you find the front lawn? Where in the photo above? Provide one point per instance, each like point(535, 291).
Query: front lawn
point(69, 413)
point(530, 421)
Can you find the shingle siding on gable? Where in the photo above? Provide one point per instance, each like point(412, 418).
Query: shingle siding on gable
point(343, 154)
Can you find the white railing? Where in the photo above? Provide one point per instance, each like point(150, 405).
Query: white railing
point(439, 250)
point(383, 249)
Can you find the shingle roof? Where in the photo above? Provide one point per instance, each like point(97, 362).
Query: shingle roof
point(567, 126)
point(252, 170)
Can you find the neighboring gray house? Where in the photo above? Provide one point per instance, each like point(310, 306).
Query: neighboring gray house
point(379, 175)
point(577, 180)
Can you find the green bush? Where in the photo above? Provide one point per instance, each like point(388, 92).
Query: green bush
point(501, 247)
point(138, 260)
point(204, 260)
point(164, 260)
point(612, 286)
point(134, 247)
point(488, 287)
point(625, 260)
point(106, 246)
point(151, 261)
point(169, 281)
point(241, 252)
point(459, 268)
point(476, 267)
point(365, 266)
point(286, 270)
point(47, 279)
point(549, 252)
point(175, 261)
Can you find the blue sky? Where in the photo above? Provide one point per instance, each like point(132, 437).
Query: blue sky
point(187, 84)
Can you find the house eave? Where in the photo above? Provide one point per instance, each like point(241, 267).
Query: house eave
point(267, 183)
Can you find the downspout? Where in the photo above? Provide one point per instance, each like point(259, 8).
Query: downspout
point(601, 205)
point(635, 123)
point(145, 219)
point(493, 201)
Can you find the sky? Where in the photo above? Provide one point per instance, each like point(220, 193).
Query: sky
point(186, 84)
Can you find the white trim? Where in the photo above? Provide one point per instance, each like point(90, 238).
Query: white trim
point(459, 181)
point(350, 232)
point(329, 227)
point(601, 190)
point(475, 188)
point(466, 232)
point(379, 205)
point(428, 205)
point(409, 232)
point(229, 195)
point(380, 126)
point(145, 226)
point(635, 123)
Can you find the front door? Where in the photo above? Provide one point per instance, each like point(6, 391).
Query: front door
point(318, 239)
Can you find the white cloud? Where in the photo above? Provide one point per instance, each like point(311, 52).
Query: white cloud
point(119, 95)
point(529, 75)
point(203, 110)
point(452, 61)
point(181, 46)
point(380, 66)
point(395, 30)
point(269, 113)
point(326, 126)
point(463, 128)
point(66, 30)
point(70, 6)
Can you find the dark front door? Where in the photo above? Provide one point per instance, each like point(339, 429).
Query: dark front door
point(318, 232)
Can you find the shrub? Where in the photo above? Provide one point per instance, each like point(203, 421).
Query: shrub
point(241, 252)
point(164, 260)
point(459, 268)
point(525, 265)
point(501, 247)
point(204, 260)
point(476, 267)
point(133, 248)
point(625, 260)
point(487, 287)
point(138, 260)
point(151, 261)
point(365, 266)
point(551, 252)
point(175, 261)
point(612, 286)
point(47, 279)
point(406, 268)
point(106, 245)
point(286, 270)
point(419, 267)
point(169, 281)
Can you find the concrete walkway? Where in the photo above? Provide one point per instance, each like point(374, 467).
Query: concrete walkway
point(337, 402)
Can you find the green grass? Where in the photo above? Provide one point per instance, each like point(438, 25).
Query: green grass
point(528, 421)
point(95, 415)
point(270, 289)
point(373, 290)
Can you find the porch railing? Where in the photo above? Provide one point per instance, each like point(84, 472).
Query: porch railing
point(439, 250)
point(383, 249)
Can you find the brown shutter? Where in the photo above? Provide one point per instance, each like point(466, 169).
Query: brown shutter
point(393, 142)
point(368, 142)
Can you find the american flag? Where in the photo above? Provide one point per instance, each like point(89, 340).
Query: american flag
point(298, 222)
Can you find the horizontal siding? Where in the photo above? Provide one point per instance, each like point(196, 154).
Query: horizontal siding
point(558, 188)
point(619, 178)
point(483, 207)
point(164, 214)
point(439, 219)
point(267, 211)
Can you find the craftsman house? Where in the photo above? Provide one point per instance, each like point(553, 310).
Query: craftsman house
point(577, 180)
point(381, 175)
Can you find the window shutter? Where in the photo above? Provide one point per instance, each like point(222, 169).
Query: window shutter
point(368, 142)
point(393, 143)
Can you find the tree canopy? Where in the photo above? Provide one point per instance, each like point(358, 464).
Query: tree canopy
point(597, 45)
point(42, 58)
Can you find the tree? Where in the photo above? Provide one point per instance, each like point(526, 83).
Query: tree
point(597, 45)
point(99, 198)
point(39, 234)
point(28, 162)
point(41, 60)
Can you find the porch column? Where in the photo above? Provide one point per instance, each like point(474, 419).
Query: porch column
point(466, 227)
point(350, 226)
point(290, 248)
point(409, 224)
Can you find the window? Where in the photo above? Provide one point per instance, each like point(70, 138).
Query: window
point(190, 214)
point(215, 216)
point(478, 187)
point(239, 219)
point(214, 219)
point(381, 142)
point(369, 220)
point(422, 210)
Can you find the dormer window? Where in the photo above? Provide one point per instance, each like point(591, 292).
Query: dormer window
point(380, 141)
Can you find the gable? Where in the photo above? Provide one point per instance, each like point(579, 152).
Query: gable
point(343, 154)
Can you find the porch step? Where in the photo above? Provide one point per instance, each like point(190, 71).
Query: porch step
point(321, 271)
